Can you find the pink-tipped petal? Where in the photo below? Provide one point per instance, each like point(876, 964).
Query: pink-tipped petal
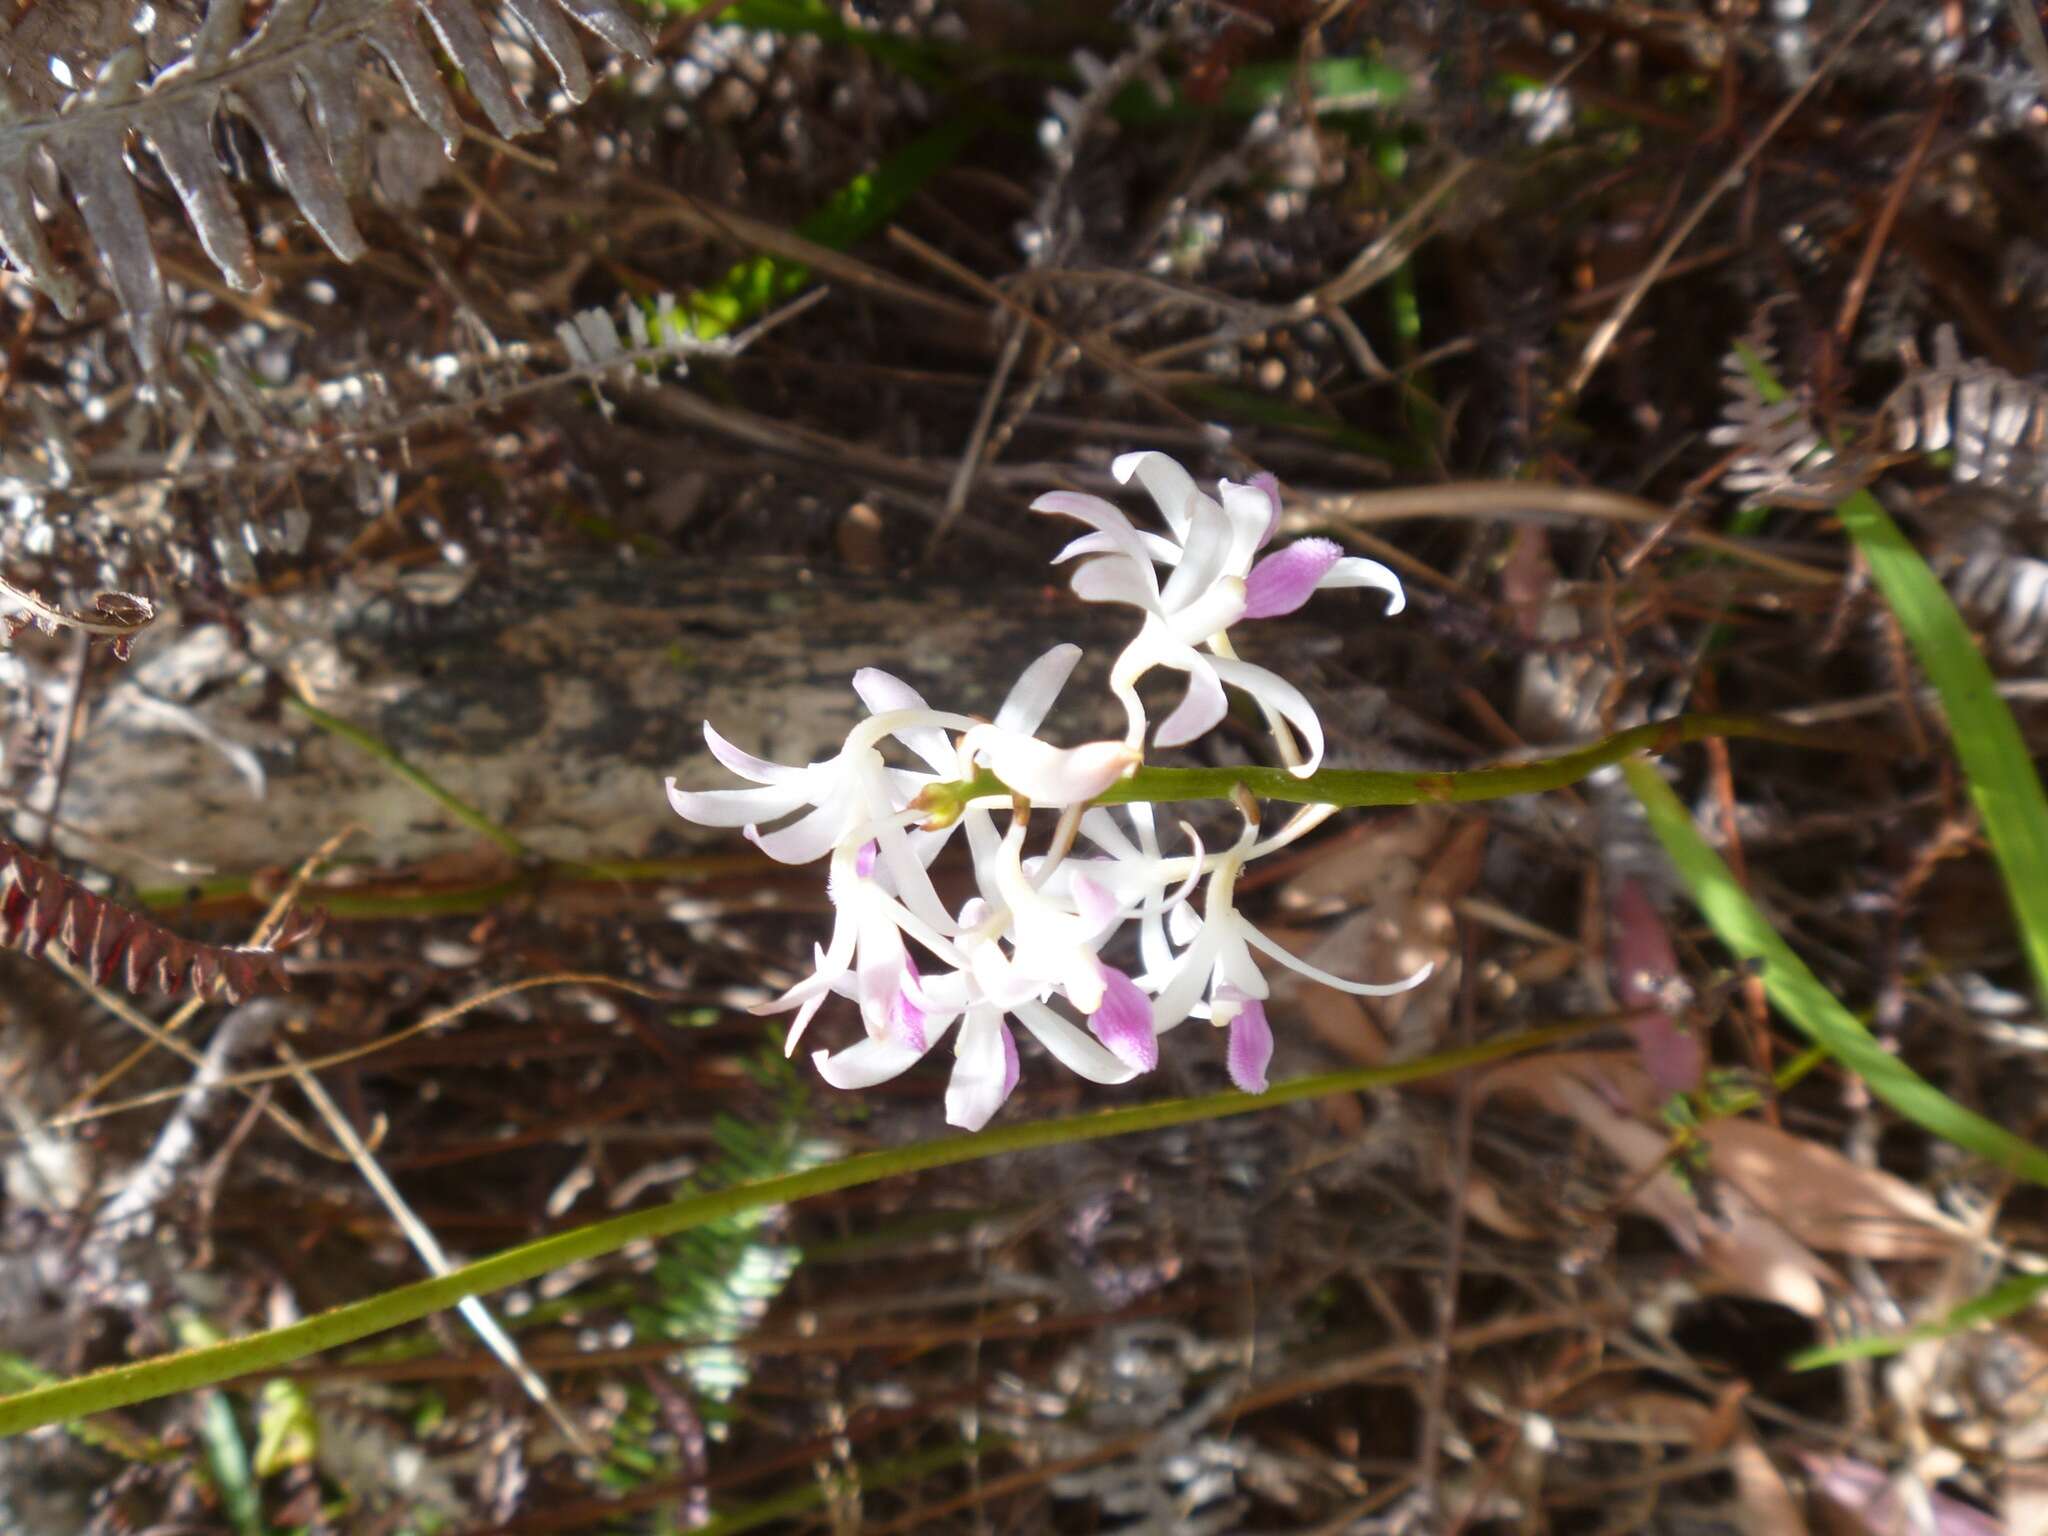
point(909, 1022)
point(1284, 580)
point(1012, 1068)
point(1124, 1021)
point(1250, 1048)
point(1071, 1046)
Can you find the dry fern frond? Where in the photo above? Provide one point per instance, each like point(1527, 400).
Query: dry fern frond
point(1995, 425)
point(315, 49)
point(1781, 458)
point(353, 425)
point(1988, 543)
point(40, 904)
point(2003, 589)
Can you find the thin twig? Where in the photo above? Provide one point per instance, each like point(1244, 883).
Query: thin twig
point(1454, 1239)
point(67, 729)
point(1530, 499)
point(428, 1247)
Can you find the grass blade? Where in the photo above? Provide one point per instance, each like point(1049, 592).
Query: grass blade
point(1994, 756)
point(2003, 782)
point(210, 1365)
point(1805, 1003)
point(1996, 1304)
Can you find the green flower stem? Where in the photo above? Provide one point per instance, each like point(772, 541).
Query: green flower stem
point(193, 1369)
point(1357, 786)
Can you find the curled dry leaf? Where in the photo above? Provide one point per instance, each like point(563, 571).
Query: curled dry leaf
point(40, 905)
point(119, 616)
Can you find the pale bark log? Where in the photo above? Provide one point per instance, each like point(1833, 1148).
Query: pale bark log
point(554, 701)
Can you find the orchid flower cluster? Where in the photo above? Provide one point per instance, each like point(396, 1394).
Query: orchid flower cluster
point(1027, 949)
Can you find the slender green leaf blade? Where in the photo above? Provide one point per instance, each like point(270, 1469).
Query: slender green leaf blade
point(1994, 755)
point(1809, 1006)
point(1996, 1304)
point(2003, 781)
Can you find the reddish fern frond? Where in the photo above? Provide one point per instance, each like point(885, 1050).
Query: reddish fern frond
point(40, 905)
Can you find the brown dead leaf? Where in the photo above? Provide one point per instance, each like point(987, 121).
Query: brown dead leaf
point(1605, 1092)
point(1826, 1200)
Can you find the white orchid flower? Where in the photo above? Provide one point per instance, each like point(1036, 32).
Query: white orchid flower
point(1217, 963)
point(1215, 582)
point(981, 997)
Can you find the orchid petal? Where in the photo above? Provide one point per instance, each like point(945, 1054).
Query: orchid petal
point(1274, 692)
point(1098, 907)
point(1162, 550)
point(1215, 610)
point(1354, 571)
point(1207, 544)
point(1113, 579)
point(808, 838)
point(913, 884)
point(866, 1063)
point(1105, 518)
point(1124, 1021)
point(1254, 512)
point(1070, 1047)
point(885, 693)
point(1048, 775)
point(1190, 979)
point(1295, 963)
point(745, 764)
point(1268, 485)
point(984, 1070)
point(1285, 579)
point(1249, 1050)
point(1033, 695)
point(734, 807)
point(1172, 488)
point(1199, 712)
